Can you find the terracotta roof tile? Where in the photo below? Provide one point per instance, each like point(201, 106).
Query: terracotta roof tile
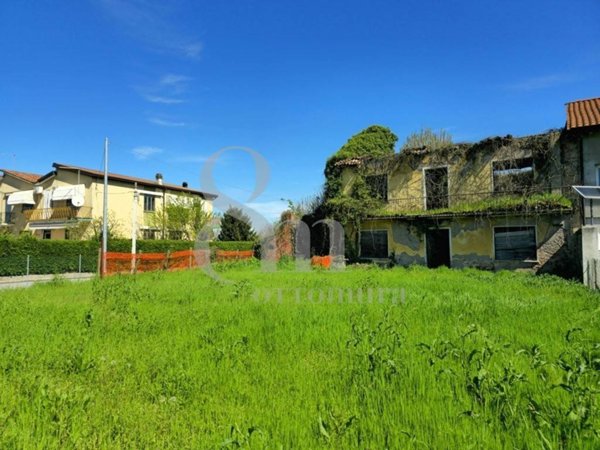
point(583, 113)
point(24, 176)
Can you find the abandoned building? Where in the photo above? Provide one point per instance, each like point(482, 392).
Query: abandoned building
point(502, 203)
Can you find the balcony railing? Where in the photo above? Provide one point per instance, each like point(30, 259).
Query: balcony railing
point(532, 200)
point(58, 214)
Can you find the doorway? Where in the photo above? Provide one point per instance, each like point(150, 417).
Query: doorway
point(438, 247)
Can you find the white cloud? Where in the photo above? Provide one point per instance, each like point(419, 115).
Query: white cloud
point(174, 81)
point(145, 152)
point(163, 100)
point(154, 23)
point(543, 82)
point(193, 50)
point(167, 90)
point(165, 122)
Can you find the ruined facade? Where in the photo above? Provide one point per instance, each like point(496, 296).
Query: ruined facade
point(502, 203)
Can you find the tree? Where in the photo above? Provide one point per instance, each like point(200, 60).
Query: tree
point(236, 226)
point(95, 228)
point(375, 140)
point(183, 216)
point(426, 137)
point(349, 208)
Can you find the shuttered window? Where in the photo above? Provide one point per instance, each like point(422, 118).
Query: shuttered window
point(515, 243)
point(149, 203)
point(373, 244)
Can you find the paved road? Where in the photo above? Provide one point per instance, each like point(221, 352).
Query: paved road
point(26, 281)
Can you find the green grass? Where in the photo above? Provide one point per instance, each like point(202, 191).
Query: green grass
point(533, 203)
point(469, 359)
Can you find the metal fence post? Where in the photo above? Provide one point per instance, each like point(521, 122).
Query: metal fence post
point(80, 263)
point(27, 270)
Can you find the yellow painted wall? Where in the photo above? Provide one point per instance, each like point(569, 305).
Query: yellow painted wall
point(472, 239)
point(120, 201)
point(470, 176)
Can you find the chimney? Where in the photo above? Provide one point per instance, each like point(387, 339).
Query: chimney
point(184, 184)
point(159, 178)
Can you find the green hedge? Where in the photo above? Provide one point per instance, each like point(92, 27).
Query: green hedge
point(149, 246)
point(233, 245)
point(46, 256)
point(54, 256)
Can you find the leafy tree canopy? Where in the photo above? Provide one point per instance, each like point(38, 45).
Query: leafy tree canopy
point(375, 140)
point(236, 226)
point(184, 216)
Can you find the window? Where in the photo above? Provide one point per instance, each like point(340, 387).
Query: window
point(7, 212)
point(176, 235)
point(436, 188)
point(47, 234)
point(515, 243)
point(513, 176)
point(26, 207)
point(374, 244)
point(597, 175)
point(149, 203)
point(378, 186)
point(67, 234)
point(149, 234)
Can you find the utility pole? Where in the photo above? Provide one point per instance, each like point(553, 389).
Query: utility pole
point(136, 196)
point(105, 210)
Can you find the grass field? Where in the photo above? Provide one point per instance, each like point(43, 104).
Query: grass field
point(463, 359)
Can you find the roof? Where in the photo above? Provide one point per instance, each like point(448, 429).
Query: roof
point(24, 176)
point(128, 179)
point(583, 113)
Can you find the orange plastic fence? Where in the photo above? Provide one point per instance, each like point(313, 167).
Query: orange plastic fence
point(321, 261)
point(147, 262)
point(233, 255)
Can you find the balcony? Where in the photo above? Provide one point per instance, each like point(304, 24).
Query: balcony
point(479, 203)
point(59, 214)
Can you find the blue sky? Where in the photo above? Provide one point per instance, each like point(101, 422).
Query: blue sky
point(170, 83)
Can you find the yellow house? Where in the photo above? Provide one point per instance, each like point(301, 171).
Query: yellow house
point(67, 203)
point(500, 203)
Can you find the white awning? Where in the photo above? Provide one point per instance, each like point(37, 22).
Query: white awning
point(153, 193)
point(68, 192)
point(21, 198)
point(47, 226)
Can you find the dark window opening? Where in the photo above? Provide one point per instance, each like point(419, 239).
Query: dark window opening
point(47, 234)
point(7, 212)
point(176, 235)
point(378, 186)
point(374, 244)
point(436, 188)
point(26, 207)
point(515, 243)
point(149, 234)
point(513, 177)
point(149, 203)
